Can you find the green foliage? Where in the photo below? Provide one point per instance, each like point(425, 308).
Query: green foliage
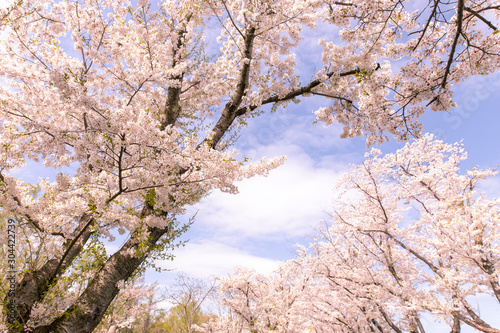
point(171, 321)
point(176, 320)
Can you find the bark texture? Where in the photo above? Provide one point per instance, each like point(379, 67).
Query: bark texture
point(33, 286)
point(86, 313)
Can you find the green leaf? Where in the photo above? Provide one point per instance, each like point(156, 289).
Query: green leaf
point(150, 197)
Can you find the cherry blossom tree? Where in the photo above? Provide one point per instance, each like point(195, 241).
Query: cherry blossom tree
point(141, 307)
point(188, 295)
point(257, 303)
point(143, 104)
point(410, 239)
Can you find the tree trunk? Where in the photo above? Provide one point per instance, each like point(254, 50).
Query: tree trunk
point(33, 286)
point(87, 311)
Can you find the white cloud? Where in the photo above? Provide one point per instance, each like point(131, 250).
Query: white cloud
point(209, 258)
point(270, 214)
point(285, 204)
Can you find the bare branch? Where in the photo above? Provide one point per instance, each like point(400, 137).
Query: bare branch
point(231, 18)
point(482, 18)
point(460, 15)
point(427, 23)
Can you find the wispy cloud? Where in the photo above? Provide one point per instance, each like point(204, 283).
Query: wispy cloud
point(270, 214)
point(293, 197)
point(208, 258)
point(287, 203)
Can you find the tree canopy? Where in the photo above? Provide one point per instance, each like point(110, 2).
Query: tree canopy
point(143, 102)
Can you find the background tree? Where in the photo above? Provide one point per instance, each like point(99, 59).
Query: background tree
point(409, 238)
point(258, 303)
point(188, 296)
point(182, 319)
point(143, 105)
point(142, 308)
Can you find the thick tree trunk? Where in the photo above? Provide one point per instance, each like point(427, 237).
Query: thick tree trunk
point(33, 286)
point(172, 104)
point(86, 313)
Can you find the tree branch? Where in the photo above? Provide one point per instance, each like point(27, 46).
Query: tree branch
point(172, 108)
point(295, 92)
point(427, 23)
point(483, 328)
point(460, 15)
point(230, 111)
point(482, 18)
